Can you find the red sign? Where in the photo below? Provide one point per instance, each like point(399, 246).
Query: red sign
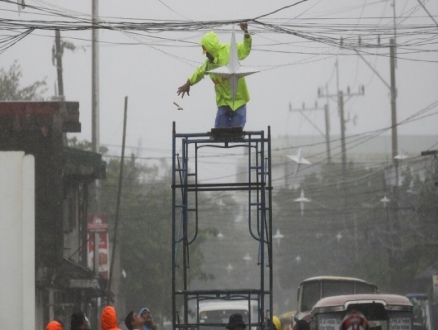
point(103, 254)
point(97, 222)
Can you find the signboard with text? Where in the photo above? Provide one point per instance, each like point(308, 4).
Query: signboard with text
point(98, 224)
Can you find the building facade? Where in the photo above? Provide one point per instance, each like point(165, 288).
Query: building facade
point(63, 177)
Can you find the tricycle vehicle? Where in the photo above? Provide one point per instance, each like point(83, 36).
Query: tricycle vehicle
point(382, 311)
point(313, 289)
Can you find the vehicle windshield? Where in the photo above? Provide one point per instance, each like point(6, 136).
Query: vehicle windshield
point(365, 288)
point(310, 295)
point(372, 312)
point(312, 292)
point(332, 288)
point(220, 316)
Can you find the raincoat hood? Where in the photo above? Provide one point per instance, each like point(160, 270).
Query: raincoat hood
point(210, 42)
point(109, 319)
point(54, 325)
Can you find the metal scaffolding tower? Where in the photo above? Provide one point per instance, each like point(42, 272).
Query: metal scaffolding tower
point(186, 219)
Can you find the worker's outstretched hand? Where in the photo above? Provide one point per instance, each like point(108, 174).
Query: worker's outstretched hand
point(184, 89)
point(244, 26)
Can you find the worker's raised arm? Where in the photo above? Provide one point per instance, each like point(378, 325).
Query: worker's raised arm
point(244, 48)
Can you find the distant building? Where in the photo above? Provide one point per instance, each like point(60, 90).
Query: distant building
point(62, 178)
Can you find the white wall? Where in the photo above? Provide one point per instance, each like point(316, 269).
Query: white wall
point(17, 240)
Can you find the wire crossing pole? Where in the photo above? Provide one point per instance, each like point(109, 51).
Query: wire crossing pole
point(339, 97)
point(393, 91)
point(425, 9)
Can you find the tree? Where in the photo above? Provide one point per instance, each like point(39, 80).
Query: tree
point(388, 244)
point(10, 86)
point(144, 231)
point(336, 232)
point(145, 234)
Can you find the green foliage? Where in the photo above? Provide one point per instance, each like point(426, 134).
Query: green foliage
point(144, 231)
point(145, 234)
point(10, 86)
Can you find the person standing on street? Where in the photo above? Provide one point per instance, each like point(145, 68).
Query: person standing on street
point(134, 321)
point(286, 324)
point(78, 321)
point(108, 320)
point(146, 315)
point(55, 325)
point(301, 325)
point(235, 322)
point(275, 324)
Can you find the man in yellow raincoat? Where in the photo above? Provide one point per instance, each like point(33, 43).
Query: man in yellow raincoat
point(229, 113)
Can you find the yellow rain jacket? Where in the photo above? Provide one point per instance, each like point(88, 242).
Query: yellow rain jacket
point(220, 52)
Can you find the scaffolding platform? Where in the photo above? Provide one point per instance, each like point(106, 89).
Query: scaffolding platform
point(256, 185)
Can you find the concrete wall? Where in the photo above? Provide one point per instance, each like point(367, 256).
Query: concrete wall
point(17, 240)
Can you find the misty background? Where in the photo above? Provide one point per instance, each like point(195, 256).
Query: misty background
point(148, 67)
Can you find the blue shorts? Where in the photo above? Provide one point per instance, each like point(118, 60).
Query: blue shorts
point(225, 117)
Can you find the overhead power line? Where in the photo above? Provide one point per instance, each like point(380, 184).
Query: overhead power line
point(319, 30)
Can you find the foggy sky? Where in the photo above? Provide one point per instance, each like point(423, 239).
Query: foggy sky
point(150, 78)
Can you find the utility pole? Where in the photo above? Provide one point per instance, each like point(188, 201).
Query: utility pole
point(339, 97)
point(95, 113)
point(392, 47)
point(395, 24)
point(57, 52)
point(58, 59)
point(327, 131)
point(115, 262)
point(393, 91)
point(95, 141)
point(343, 148)
point(326, 135)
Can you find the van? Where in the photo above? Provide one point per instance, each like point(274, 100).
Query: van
point(214, 314)
point(382, 311)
